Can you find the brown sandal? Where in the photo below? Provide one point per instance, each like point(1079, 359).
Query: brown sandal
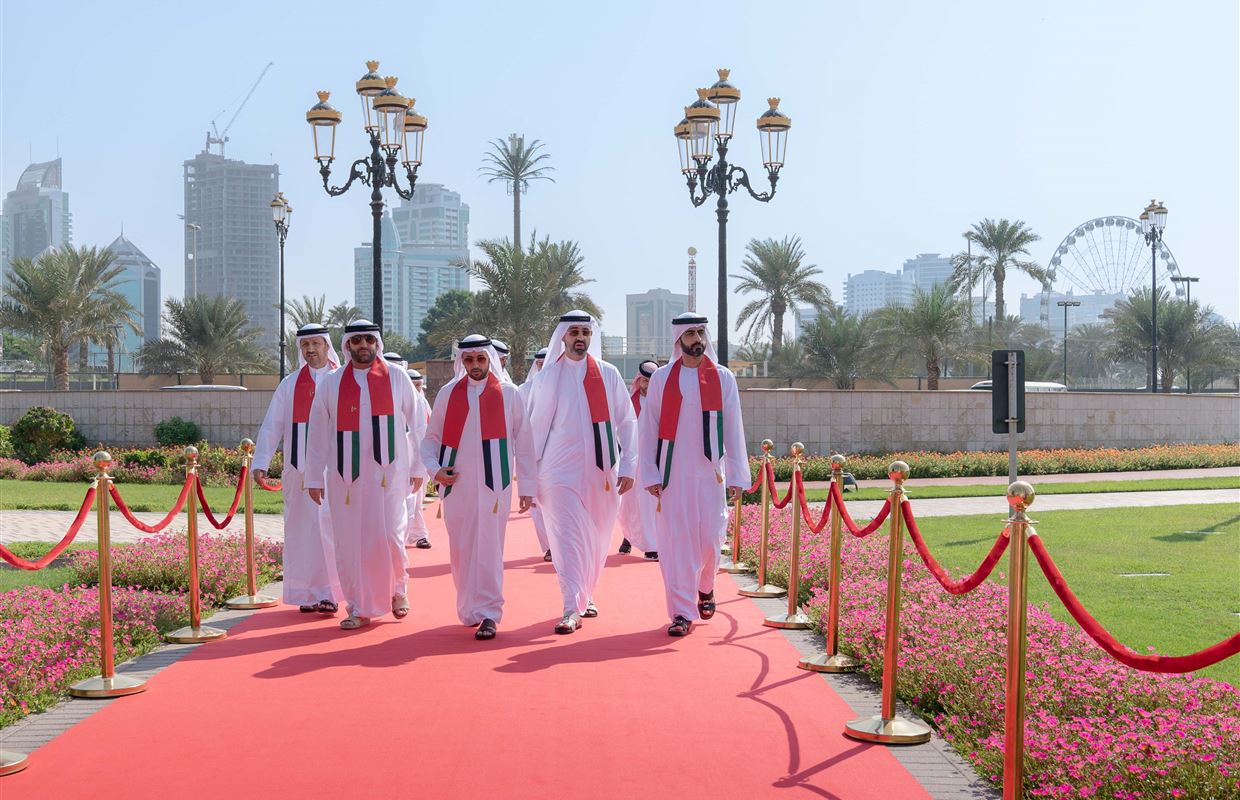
point(679, 627)
point(400, 606)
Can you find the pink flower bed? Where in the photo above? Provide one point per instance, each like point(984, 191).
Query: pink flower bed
point(49, 639)
point(161, 563)
point(1094, 727)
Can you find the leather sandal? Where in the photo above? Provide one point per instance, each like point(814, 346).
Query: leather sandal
point(626, 547)
point(706, 604)
point(353, 622)
point(486, 630)
point(423, 544)
point(547, 556)
point(679, 627)
point(400, 606)
point(569, 624)
point(327, 607)
point(310, 609)
point(591, 610)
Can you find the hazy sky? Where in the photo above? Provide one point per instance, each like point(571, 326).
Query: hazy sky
point(910, 121)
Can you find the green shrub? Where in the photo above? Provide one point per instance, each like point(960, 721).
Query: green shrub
point(177, 431)
point(150, 459)
point(6, 442)
point(40, 431)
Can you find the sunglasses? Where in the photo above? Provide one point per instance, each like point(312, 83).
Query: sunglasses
point(365, 338)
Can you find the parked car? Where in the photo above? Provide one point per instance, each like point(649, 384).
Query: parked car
point(1030, 386)
point(206, 387)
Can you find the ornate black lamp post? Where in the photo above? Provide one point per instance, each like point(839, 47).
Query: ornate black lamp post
point(393, 127)
point(282, 214)
point(1188, 287)
point(1153, 221)
point(708, 125)
point(1065, 305)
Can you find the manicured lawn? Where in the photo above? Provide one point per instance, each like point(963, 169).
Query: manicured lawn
point(1198, 545)
point(999, 490)
point(52, 496)
point(51, 577)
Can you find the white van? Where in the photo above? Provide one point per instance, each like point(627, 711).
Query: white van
point(1030, 386)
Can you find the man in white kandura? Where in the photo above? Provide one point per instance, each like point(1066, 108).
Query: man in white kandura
point(637, 509)
point(501, 350)
point(418, 535)
point(585, 437)
point(478, 429)
point(361, 438)
point(310, 581)
point(525, 390)
point(692, 445)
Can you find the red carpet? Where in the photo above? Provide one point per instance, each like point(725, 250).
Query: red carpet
point(291, 706)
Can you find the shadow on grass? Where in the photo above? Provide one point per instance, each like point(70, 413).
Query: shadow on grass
point(1197, 535)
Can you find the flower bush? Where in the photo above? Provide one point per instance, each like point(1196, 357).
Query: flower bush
point(1094, 727)
point(217, 466)
point(161, 563)
point(49, 639)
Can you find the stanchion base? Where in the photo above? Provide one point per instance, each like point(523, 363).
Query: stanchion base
point(888, 731)
point(99, 686)
point(191, 635)
point(765, 590)
point(737, 569)
point(797, 621)
point(830, 663)
point(11, 762)
point(247, 601)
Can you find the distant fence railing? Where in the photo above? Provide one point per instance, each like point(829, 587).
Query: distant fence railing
point(42, 381)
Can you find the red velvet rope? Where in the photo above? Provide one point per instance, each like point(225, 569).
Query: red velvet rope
point(163, 523)
point(1146, 663)
point(805, 513)
point(967, 583)
point(21, 563)
point(232, 510)
point(267, 486)
point(770, 482)
point(757, 484)
point(852, 527)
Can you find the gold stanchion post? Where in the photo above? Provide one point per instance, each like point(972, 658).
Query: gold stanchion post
point(1020, 496)
point(794, 619)
point(253, 599)
point(886, 728)
point(195, 632)
point(107, 683)
point(736, 567)
point(833, 660)
point(763, 589)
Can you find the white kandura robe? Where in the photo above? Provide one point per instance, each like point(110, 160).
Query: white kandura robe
point(580, 513)
point(368, 516)
point(476, 517)
point(693, 516)
point(637, 512)
point(415, 527)
point(309, 553)
point(540, 525)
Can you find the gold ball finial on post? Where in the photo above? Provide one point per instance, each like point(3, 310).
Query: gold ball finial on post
point(191, 453)
point(797, 450)
point(767, 446)
point(247, 446)
point(103, 462)
point(1020, 495)
point(898, 472)
point(837, 463)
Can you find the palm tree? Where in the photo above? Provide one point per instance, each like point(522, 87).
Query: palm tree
point(561, 266)
point(1002, 244)
point(516, 165)
point(839, 344)
point(931, 327)
point(64, 298)
point(341, 314)
point(1088, 358)
point(301, 312)
point(775, 272)
point(1189, 334)
point(207, 335)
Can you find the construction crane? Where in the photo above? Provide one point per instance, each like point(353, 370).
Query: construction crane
point(214, 136)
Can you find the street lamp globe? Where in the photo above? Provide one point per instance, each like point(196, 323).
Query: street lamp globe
point(1145, 221)
point(684, 144)
point(414, 128)
point(322, 116)
point(1159, 217)
point(773, 127)
point(703, 119)
point(368, 86)
point(725, 96)
point(279, 209)
point(390, 106)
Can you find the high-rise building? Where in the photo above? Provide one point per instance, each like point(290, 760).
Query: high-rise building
point(234, 250)
point(927, 270)
point(1088, 312)
point(802, 318)
point(36, 215)
point(650, 320)
point(868, 291)
point(433, 230)
point(140, 284)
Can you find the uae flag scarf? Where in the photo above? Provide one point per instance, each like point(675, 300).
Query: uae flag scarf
point(348, 426)
point(600, 420)
point(303, 398)
point(496, 473)
point(712, 417)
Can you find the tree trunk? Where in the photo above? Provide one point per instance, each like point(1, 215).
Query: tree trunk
point(932, 374)
point(111, 359)
point(777, 329)
point(1000, 308)
point(82, 356)
point(206, 372)
point(60, 368)
point(516, 213)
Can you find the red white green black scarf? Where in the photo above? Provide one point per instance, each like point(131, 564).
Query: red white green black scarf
point(712, 417)
point(348, 426)
point(496, 472)
point(303, 398)
point(600, 419)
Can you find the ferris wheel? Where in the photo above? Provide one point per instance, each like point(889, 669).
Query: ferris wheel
point(1109, 255)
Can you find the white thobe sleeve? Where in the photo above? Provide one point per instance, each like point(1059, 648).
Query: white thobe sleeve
point(625, 424)
point(417, 429)
point(322, 428)
point(736, 457)
point(411, 410)
point(648, 431)
point(433, 438)
point(275, 423)
point(522, 438)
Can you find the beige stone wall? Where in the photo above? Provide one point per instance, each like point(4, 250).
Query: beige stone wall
point(826, 421)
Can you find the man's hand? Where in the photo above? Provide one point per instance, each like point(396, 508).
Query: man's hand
point(623, 485)
point(260, 475)
point(734, 494)
point(527, 502)
point(655, 490)
point(416, 483)
point(316, 495)
point(446, 476)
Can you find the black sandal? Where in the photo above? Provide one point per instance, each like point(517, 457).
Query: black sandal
point(326, 607)
point(486, 630)
point(679, 627)
point(706, 604)
point(652, 555)
point(626, 547)
point(310, 609)
point(547, 556)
